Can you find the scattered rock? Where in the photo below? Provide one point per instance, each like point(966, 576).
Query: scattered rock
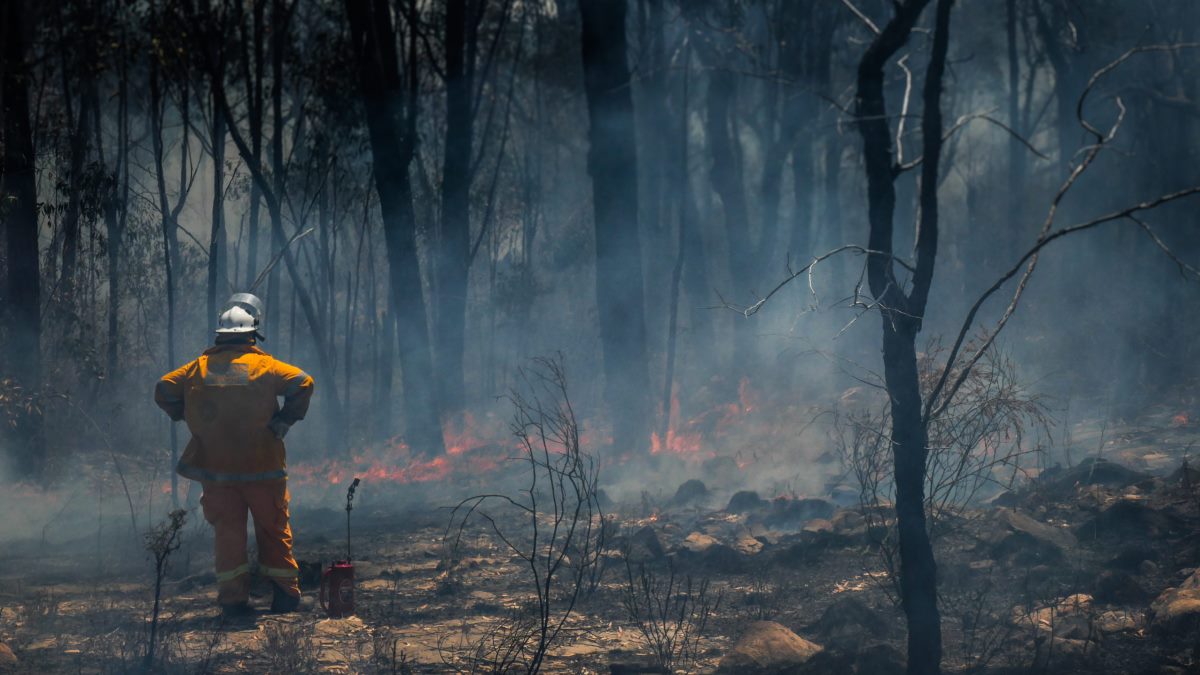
point(1119, 587)
point(1091, 471)
point(8, 660)
point(848, 521)
point(644, 545)
point(1130, 558)
point(1006, 498)
point(689, 493)
point(794, 513)
point(1177, 610)
point(849, 621)
point(745, 501)
point(747, 545)
point(1068, 619)
point(876, 659)
point(634, 664)
point(767, 647)
point(603, 499)
point(1118, 621)
point(1130, 518)
point(818, 525)
point(720, 559)
point(698, 541)
point(1027, 541)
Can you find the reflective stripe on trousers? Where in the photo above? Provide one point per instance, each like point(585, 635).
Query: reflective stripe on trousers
point(225, 507)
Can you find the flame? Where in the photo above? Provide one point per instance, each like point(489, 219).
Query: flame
point(700, 436)
point(471, 450)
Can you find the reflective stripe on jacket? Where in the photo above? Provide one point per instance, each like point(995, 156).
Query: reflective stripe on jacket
point(228, 396)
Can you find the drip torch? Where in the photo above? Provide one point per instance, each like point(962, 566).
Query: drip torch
point(337, 583)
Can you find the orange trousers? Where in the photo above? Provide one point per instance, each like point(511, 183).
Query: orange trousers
point(225, 506)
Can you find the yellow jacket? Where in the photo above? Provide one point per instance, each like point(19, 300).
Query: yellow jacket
point(228, 396)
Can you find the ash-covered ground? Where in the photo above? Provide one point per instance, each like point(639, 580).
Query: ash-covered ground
point(1085, 568)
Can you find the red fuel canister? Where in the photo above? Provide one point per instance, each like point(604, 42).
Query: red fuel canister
point(337, 583)
point(337, 589)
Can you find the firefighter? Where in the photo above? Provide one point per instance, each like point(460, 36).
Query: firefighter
point(229, 399)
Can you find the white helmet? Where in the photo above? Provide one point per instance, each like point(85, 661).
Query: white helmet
point(237, 320)
point(248, 302)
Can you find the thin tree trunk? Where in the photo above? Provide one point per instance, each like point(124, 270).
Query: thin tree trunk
point(18, 187)
point(454, 242)
point(664, 428)
point(612, 164)
point(116, 214)
point(902, 313)
point(216, 240)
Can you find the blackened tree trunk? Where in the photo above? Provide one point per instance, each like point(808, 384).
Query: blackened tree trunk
point(116, 215)
point(253, 75)
point(216, 240)
point(902, 312)
point(727, 181)
point(454, 243)
point(391, 122)
point(612, 162)
point(18, 191)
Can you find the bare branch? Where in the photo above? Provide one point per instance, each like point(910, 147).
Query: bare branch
point(862, 17)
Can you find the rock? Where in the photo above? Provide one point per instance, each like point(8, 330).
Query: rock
point(744, 502)
point(850, 522)
point(1091, 471)
point(876, 659)
point(644, 545)
point(690, 492)
point(1027, 541)
point(1130, 558)
point(603, 499)
point(1130, 518)
point(794, 513)
point(1006, 498)
point(818, 525)
point(767, 647)
point(747, 545)
point(1117, 621)
point(1119, 587)
point(721, 559)
point(1177, 610)
point(849, 621)
point(634, 664)
point(698, 541)
point(1068, 618)
point(1147, 568)
point(8, 660)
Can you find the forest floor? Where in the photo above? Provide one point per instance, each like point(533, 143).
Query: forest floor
point(1087, 568)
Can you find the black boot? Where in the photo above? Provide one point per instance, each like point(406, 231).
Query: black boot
point(237, 610)
point(282, 601)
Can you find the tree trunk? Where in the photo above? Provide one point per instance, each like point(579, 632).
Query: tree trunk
point(726, 173)
point(216, 240)
point(18, 187)
point(392, 150)
point(454, 243)
point(612, 162)
point(902, 313)
point(254, 106)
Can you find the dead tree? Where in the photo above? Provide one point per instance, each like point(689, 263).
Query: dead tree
point(18, 186)
point(902, 312)
point(612, 163)
point(390, 101)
